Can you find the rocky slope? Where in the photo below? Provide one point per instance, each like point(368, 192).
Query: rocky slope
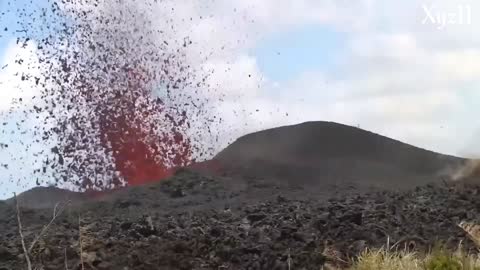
point(286, 196)
point(199, 223)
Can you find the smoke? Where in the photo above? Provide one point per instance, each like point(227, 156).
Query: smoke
point(471, 169)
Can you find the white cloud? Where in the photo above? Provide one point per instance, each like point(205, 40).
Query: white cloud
point(398, 77)
point(396, 71)
point(15, 63)
point(18, 130)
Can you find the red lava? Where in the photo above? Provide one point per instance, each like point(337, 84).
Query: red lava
point(140, 155)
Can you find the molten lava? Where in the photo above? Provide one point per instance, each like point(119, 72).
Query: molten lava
point(141, 155)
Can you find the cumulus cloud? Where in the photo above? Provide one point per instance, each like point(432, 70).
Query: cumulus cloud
point(399, 77)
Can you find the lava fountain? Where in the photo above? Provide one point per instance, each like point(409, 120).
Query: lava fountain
point(137, 157)
point(119, 92)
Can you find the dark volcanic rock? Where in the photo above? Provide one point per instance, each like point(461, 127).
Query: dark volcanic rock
point(267, 215)
point(47, 197)
point(317, 156)
point(262, 234)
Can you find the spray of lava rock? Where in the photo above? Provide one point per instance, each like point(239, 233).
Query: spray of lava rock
point(119, 101)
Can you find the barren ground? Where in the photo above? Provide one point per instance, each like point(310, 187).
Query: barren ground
point(260, 213)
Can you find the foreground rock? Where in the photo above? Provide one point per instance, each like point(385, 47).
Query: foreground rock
point(135, 231)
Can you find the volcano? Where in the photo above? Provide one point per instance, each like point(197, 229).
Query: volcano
point(269, 191)
point(321, 154)
point(319, 159)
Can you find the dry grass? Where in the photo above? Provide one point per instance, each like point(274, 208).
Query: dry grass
point(385, 260)
point(57, 211)
point(437, 260)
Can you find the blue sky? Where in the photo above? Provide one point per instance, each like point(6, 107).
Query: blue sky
point(286, 55)
point(368, 63)
point(7, 20)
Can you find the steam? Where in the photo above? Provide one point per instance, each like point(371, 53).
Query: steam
point(471, 169)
